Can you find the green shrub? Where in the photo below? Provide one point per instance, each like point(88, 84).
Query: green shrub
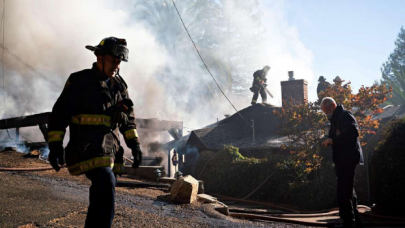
point(387, 170)
point(229, 173)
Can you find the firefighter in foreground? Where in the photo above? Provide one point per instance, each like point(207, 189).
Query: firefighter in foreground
point(259, 84)
point(96, 107)
point(347, 154)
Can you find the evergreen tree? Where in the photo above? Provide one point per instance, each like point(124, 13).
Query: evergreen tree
point(393, 70)
point(396, 60)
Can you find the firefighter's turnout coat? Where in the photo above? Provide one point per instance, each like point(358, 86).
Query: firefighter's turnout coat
point(259, 78)
point(93, 108)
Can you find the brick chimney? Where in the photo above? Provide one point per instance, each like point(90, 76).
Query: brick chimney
point(296, 90)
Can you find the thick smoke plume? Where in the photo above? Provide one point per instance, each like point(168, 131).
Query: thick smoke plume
point(165, 76)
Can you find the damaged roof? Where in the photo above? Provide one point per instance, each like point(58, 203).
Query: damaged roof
point(237, 131)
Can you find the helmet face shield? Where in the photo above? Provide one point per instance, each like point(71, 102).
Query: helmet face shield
point(121, 52)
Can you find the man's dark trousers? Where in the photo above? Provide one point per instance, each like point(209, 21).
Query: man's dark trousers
point(263, 94)
point(102, 197)
point(347, 198)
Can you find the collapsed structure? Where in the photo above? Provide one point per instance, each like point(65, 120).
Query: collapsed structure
point(174, 128)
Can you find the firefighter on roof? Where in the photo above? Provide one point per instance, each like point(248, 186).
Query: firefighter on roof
point(96, 106)
point(259, 82)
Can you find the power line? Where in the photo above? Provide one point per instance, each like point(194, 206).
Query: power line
point(3, 20)
point(3, 46)
point(2, 59)
point(19, 135)
point(206, 67)
point(29, 66)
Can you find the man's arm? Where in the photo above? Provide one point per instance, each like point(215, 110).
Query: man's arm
point(128, 130)
point(60, 117)
point(57, 123)
point(264, 77)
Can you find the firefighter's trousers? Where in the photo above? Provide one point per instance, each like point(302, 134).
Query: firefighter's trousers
point(102, 197)
point(256, 96)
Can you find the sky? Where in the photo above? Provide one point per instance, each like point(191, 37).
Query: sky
point(347, 38)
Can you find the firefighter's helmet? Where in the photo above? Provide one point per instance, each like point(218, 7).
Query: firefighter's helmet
point(321, 79)
point(337, 79)
point(111, 46)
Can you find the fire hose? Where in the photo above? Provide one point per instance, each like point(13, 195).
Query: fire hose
point(310, 223)
point(26, 169)
point(287, 217)
point(295, 213)
point(281, 207)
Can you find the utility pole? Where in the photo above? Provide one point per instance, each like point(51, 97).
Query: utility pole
point(253, 130)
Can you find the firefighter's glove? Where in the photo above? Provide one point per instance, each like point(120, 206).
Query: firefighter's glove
point(120, 112)
point(56, 157)
point(137, 153)
point(264, 84)
point(120, 119)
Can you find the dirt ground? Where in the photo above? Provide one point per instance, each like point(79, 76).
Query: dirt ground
point(50, 199)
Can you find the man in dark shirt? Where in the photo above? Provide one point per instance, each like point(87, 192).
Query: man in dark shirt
point(344, 139)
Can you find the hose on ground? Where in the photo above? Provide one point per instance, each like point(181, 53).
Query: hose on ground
point(26, 169)
point(304, 213)
point(333, 212)
point(128, 160)
point(258, 203)
point(308, 223)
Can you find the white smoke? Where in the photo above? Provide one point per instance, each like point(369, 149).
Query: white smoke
point(51, 35)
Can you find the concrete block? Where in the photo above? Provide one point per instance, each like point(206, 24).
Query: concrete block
point(184, 190)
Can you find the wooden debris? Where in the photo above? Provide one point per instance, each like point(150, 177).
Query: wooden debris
point(33, 154)
point(169, 180)
point(141, 185)
point(206, 198)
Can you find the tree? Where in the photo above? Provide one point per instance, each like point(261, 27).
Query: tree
point(396, 60)
point(398, 84)
point(303, 123)
point(393, 70)
point(387, 170)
